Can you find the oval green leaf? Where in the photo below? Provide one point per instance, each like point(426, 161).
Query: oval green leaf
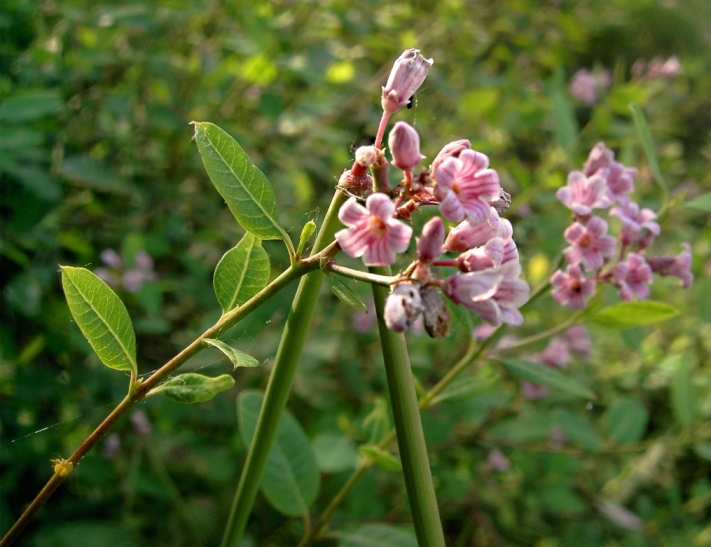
point(546, 376)
point(102, 318)
point(335, 453)
point(241, 273)
point(238, 358)
point(578, 429)
point(344, 293)
point(634, 314)
point(291, 478)
point(701, 203)
point(378, 535)
point(242, 185)
point(626, 421)
point(193, 388)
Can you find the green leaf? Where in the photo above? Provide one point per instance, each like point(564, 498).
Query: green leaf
point(238, 358)
point(344, 293)
point(193, 388)
point(378, 535)
point(683, 396)
point(546, 376)
point(465, 388)
point(335, 453)
point(578, 429)
point(626, 421)
point(246, 190)
point(241, 273)
point(381, 458)
point(102, 318)
point(523, 429)
point(701, 203)
point(30, 105)
point(291, 477)
point(646, 137)
point(634, 314)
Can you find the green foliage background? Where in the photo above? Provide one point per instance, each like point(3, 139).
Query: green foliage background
point(96, 153)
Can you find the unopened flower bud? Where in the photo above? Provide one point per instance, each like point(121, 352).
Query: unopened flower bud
point(429, 246)
point(357, 181)
point(406, 77)
point(366, 156)
point(435, 313)
point(451, 150)
point(404, 145)
point(403, 307)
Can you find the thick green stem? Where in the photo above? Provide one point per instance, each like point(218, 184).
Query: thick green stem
point(280, 380)
point(408, 426)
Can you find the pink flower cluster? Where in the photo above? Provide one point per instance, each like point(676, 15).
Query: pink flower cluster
point(592, 255)
point(117, 274)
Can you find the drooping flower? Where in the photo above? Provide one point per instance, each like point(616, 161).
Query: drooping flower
point(678, 266)
point(572, 287)
point(634, 220)
point(589, 243)
point(466, 187)
point(511, 294)
point(468, 288)
point(404, 143)
point(583, 194)
point(633, 277)
point(402, 307)
point(406, 77)
point(373, 232)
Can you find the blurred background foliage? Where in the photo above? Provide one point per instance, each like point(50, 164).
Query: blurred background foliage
point(96, 153)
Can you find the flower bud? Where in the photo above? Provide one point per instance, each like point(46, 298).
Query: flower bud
point(403, 307)
point(466, 235)
point(429, 246)
point(404, 145)
point(357, 181)
point(366, 156)
point(406, 77)
point(435, 313)
point(451, 150)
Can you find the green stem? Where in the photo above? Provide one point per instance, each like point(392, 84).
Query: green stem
point(371, 278)
point(280, 380)
point(408, 427)
point(139, 390)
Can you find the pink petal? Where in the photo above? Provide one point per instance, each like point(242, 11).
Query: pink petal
point(451, 208)
point(398, 235)
point(352, 212)
point(380, 205)
point(353, 241)
point(477, 211)
point(379, 254)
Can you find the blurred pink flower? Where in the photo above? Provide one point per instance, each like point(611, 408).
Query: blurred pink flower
point(372, 232)
point(587, 86)
point(589, 243)
point(578, 339)
point(633, 277)
point(498, 461)
point(572, 287)
point(511, 294)
point(634, 220)
point(583, 194)
point(677, 266)
point(556, 354)
point(533, 391)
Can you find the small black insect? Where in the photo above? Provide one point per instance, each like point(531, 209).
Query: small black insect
point(411, 102)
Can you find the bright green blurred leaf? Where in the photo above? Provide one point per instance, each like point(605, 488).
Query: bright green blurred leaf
point(546, 376)
point(335, 453)
point(634, 314)
point(683, 396)
point(378, 535)
point(381, 458)
point(238, 358)
point(241, 273)
point(701, 203)
point(566, 126)
point(344, 293)
point(578, 429)
point(193, 388)
point(102, 318)
point(626, 421)
point(246, 190)
point(291, 477)
point(465, 388)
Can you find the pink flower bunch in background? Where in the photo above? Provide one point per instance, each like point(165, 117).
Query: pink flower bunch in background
point(116, 273)
point(587, 86)
point(593, 255)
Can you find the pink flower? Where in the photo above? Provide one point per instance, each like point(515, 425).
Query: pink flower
point(633, 277)
point(634, 220)
point(620, 179)
point(589, 244)
point(556, 354)
point(533, 391)
point(372, 232)
point(466, 235)
point(468, 288)
point(406, 77)
point(451, 150)
point(572, 287)
point(511, 294)
point(586, 86)
point(480, 258)
point(498, 461)
point(578, 339)
point(429, 246)
point(466, 187)
point(583, 194)
point(678, 266)
point(404, 143)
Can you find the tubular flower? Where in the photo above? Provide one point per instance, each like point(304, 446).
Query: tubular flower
point(633, 277)
point(466, 235)
point(678, 266)
point(372, 232)
point(634, 220)
point(583, 194)
point(511, 294)
point(466, 187)
point(589, 244)
point(572, 287)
